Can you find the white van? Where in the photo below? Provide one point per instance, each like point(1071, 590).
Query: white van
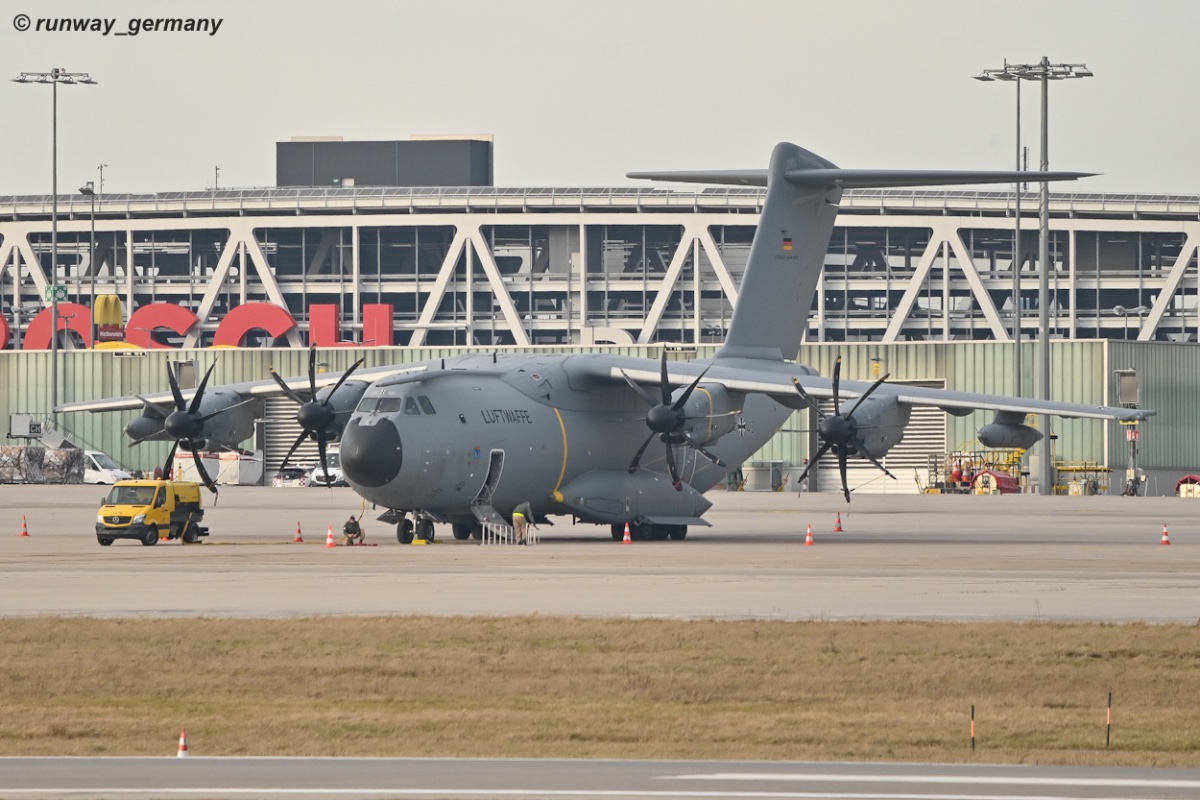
point(99, 468)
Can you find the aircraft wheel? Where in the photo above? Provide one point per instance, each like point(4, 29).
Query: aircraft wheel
point(678, 532)
point(104, 541)
point(462, 530)
point(618, 531)
point(191, 535)
point(404, 531)
point(477, 531)
point(640, 532)
point(425, 529)
point(151, 537)
point(658, 533)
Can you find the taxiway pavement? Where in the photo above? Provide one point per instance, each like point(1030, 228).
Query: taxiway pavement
point(899, 557)
point(438, 779)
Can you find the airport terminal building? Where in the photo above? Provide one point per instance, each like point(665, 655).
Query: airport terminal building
point(918, 284)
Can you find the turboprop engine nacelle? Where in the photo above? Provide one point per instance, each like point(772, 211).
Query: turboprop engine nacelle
point(231, 420)
point(149, 425)
point(714, 403)
point(1008, 430)
point(880, 422)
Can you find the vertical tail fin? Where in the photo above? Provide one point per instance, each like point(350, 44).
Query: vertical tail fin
point(786, 256)
point(788, 251)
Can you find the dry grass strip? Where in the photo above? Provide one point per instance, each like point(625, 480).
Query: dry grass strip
point(565, 687)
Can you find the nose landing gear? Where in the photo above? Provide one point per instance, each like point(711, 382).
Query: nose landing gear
point(420, 527)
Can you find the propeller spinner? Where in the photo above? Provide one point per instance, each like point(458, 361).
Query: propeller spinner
point(839, 430)
point(315, 416)
point(667, 420)
point(186, 424)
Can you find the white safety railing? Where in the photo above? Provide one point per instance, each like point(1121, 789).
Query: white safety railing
point(498, 533)
point(503, 533)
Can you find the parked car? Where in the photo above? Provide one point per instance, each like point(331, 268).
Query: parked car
point(336, 477)
point(291, 476)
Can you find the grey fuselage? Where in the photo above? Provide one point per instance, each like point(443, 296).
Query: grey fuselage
point(551, 419)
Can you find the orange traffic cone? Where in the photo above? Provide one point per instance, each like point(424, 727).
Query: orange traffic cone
point(1166, 537)
point(183, 750)
point(329, 542)
point(808, 537)
point(627, 539)
point(837, 528)
point(24, 527)
point(298, 537)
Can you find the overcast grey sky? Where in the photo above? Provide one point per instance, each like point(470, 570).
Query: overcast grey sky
point(579, 93)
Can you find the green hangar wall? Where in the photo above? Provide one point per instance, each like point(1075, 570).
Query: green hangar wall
point(1082, 372)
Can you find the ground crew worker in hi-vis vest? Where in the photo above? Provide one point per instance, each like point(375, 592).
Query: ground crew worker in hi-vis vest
point(521, 516)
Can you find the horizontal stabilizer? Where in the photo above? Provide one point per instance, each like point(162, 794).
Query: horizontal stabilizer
point(859, 178)
point(733, 177)
point(880, 178)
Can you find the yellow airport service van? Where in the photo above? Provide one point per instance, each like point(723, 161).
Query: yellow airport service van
point(147, 510)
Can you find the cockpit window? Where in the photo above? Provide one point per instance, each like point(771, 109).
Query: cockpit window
point(426, 406)
point(410, 406)
point(379, 405)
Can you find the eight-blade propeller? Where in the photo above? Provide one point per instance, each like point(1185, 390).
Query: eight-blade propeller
point(839, 430)
point(316, 417)
point(667, 420)
point(186, 424)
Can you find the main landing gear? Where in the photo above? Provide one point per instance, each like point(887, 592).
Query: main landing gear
point(467, 530)
point(648, 531)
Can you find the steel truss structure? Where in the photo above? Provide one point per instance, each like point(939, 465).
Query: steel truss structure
point(487, 266)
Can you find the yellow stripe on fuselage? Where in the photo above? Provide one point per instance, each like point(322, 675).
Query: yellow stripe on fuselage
point(562, 472)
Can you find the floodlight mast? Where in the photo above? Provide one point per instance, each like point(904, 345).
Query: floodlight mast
point(54, 77)
point(1043, 72)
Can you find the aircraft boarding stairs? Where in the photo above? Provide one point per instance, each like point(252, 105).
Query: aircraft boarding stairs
point(495, 528)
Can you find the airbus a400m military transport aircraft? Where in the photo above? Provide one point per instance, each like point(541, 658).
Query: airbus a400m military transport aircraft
point(607, 439)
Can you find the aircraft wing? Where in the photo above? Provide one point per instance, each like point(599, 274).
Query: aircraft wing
point(247, 390)
point(775, 380)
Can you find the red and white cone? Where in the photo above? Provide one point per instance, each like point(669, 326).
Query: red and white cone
point(298, 537)
point(24, 526)
point(183, 750)
point(329, 542)
point(1166, 536)
point(837, 527)
point(627, 538)
point(808, 540)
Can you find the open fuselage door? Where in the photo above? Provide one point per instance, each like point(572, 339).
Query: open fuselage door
point(481, 506)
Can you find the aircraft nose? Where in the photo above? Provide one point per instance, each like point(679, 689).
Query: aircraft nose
point(371, 454)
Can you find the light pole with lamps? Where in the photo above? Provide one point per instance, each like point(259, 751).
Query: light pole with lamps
point(1005, 75)
point(54, 77)
point(1125, 312)
point(1043, 72)
point(90, 192)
